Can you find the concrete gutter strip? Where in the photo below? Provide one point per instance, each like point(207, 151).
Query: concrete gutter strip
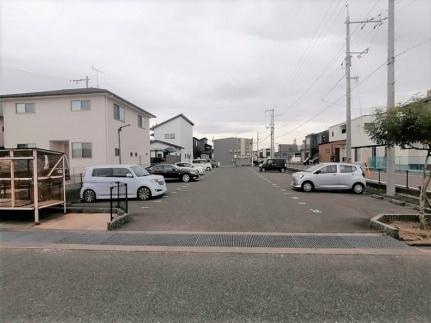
point(238, 250)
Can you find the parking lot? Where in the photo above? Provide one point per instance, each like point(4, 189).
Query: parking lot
point(240, 199)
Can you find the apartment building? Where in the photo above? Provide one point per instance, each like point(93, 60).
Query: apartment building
point(178, 131)
point(228, 150)
point(82, 123)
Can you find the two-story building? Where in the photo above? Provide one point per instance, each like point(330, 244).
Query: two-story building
point(202, 149)
point(228, 151)
point(335, 149)
point(82, 123)
point(176, 131)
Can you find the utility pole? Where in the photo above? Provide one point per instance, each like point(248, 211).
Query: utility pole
point(348, 60)
point(271, 127)
point(390, 155)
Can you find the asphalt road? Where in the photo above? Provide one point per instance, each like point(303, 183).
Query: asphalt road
point(94, 286)
point(240, 199)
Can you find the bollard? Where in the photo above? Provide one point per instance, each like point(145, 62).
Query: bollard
point(379, 175)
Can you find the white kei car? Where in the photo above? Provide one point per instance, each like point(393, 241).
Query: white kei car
point(331, 176)
point(202, 163)
point(97, 181)
point(189, 166)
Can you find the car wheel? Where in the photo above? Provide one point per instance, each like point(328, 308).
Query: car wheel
point(307, 186)
point(208, 169)
point(185, 178)
point(358, 188)
point(144, 193)
point(89, 196)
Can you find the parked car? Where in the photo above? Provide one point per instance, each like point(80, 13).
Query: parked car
point(273, 164)
point(97, 181)
point(314, 160)
point(202, 162)
point(295, 159)
point(214, 164)
point(200, 169)
point(330, 176)
point(170, 171)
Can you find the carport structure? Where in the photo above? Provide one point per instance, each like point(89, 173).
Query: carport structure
point(32, 179)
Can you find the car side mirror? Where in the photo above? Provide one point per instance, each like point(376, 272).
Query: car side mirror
point(129, 175)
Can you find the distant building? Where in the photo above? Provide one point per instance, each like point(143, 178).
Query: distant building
point(82, 123)
point(228, 150)
point(177, 131)
point(310, 146)
point(1, 127)
point(286, 151)
point(201, 148)
point(264, 153)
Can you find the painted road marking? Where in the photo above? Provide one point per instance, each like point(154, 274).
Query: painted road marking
point(295, 197)
point(287, 193)
point(283, 190)
point(184, 186)
point(145, 207)
point(158, 201)
point(302, 203)
point(315, 211)
point(165, 196)
point(173, 193)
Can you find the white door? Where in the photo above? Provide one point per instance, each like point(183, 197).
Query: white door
point(326, 177)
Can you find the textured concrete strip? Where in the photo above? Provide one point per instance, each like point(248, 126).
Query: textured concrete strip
point(238, 250)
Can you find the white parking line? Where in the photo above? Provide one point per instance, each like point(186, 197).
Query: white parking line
point(173, 193)
point(302, 203)
point(315, 211)
point(158, 201)
point(283, 190)
point(184, 186)
point(294, 197)
point(287, 193)
point(165, 196)
point(145, 207)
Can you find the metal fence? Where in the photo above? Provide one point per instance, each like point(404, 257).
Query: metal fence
point(118, 199)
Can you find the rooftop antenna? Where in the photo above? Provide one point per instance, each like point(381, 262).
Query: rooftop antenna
point(81, 80)
point(97, 74)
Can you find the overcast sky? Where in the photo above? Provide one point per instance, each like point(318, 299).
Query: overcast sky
point(221, 63)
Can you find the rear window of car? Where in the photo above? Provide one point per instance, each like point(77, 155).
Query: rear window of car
point(102, 172)
point(347, 169)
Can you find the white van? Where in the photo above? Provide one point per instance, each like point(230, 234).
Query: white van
point(140, 184)
point(202, 163)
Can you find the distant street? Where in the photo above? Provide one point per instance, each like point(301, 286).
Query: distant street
point(242, 199)
point(90, 286)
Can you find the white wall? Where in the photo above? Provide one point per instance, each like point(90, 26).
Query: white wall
point(335, 133)
point(183, 136)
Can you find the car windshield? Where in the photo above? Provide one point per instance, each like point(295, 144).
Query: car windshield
point(312, 168)
point(139, 171)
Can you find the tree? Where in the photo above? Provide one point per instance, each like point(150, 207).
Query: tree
point(408, 126)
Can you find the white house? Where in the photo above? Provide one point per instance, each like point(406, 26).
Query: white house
point(364, 150)
point(178, 131)
point(82, 123)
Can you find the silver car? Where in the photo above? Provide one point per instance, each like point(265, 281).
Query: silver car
point(331, 176)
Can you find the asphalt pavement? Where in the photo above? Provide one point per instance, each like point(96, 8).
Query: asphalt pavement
point(240, 199)
point(95, 286)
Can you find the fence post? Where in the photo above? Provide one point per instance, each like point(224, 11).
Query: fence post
point(80, 176)
point(110, 200)
point(407, 178)
point(379, 175)
point(118, 194)
point(127, 201)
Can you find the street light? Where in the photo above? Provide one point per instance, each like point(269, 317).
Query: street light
point(119, 142)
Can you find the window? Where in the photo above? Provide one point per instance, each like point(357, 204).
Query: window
point(343, 130)
point(347, 169)
point(26, 146)
point(119, 112)
point(330, 169)
point(80, 105)
point(368, 125)
point(117, 152)
point(140, 123)
point(25, 108)
point(332, 133)
point(121, 172)
point(81, 150)
point(102, 172)
point(169, 136)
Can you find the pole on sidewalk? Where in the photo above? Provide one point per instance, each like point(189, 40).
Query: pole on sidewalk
point(390, 162)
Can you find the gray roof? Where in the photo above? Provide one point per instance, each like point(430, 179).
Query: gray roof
point(177, 116)
point(166, 143)
point(80, 91)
